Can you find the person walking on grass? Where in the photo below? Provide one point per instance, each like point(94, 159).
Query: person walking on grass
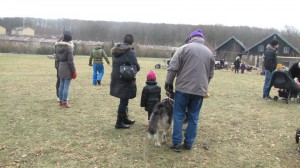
point(270, 65)
point(66, 68)
point(123, 89)
point(96, 56)
point(151, 94)
point(193, 66)
point(243, 67)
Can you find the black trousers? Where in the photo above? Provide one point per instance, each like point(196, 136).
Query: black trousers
point(122, 107)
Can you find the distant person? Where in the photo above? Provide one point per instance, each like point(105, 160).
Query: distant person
point(295, 70)
point(237, 63)
point(96, 56)
point(151, 94)
point(56, 64)
point(222, 63)
point(124, 90)
point(243, 67)
point(66, 68)
point(193, 66)
point(270, 65)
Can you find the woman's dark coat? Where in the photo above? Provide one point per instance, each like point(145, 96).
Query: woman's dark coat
point(122, 53)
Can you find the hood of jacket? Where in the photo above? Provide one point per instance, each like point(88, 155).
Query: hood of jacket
point(98, 48)
point(61, 46)
point(270, 47)
point(197, 40)
point(151, 82)
point(120, 49)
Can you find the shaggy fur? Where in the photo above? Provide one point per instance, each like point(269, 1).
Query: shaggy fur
point(161, 120)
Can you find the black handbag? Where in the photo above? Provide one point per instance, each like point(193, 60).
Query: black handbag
point(127, 72)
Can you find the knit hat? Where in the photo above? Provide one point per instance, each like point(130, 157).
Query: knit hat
point(67, 37)
point(197, 32)
point(128, 39)
point(274, 43)
point(151, 76)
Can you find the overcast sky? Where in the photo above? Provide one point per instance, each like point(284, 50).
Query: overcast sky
point(253, 13)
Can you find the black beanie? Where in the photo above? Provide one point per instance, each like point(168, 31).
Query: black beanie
point(274, 43)
point(128, 39)
point(67, 37)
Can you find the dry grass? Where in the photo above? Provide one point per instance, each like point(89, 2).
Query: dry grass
point(237, 128)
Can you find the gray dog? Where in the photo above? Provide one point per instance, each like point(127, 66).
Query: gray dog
point(161, 120)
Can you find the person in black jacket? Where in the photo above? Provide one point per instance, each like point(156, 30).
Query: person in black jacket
point(295, 70)
point(151, 93)
point(237, 63)
point(270, 65)
point(124, 90)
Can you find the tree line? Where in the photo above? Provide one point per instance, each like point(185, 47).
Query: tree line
point(147, 33)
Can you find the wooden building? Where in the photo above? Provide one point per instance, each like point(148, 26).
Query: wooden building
point(285, 48)
point(229, 49)
point(2, 31)
point(22, 31)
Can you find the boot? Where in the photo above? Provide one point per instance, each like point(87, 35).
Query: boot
point(66, 105)
point(60, 103)
point(120, 124)
point(126, 120)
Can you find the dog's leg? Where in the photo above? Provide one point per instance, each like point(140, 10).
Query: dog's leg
point(156, 138)
point(164, 135)
point(149, 135)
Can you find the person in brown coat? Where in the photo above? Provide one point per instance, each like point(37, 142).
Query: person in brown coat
point(66, 68)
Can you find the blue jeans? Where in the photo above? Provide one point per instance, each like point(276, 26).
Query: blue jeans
point(64, 86)
point(98, 71)
point(193, 104)
point(268, 75)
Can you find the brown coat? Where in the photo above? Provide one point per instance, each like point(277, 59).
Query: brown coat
point(64, 56)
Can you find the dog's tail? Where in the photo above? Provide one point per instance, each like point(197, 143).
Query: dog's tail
point(153, 125)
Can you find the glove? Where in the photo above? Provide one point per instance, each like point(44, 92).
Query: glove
point(74, 75)
point(169, 88)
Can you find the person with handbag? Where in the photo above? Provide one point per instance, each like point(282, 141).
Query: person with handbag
point(123, 81)
point(66, 68)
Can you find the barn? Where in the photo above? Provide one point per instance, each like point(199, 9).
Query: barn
point(22, 31)
point(2, 31)
point(229, 49)
point(285, 48)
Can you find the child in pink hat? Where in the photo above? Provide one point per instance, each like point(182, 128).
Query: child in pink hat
point(151, 93)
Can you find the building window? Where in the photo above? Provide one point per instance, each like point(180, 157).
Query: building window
point(261, 48)
point(286, 50)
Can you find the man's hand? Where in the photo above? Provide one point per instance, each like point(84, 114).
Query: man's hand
point(169, 87)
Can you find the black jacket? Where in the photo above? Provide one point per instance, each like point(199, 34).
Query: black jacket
point(237, 63)
point(122, 53)
point(270, 58)
point(150, 96)
point(295, 71)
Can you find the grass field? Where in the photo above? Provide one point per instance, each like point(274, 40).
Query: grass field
point(237, 128)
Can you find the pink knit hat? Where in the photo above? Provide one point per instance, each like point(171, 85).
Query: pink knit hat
point(151, 76)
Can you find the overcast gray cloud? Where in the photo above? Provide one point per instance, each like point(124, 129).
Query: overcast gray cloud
point(253, 13)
